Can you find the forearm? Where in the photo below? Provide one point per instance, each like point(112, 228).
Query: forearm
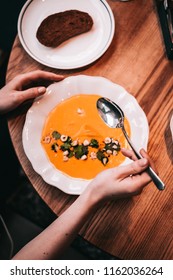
point(52, 242)
point(113, 183)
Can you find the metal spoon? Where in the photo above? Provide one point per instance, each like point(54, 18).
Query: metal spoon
point(113, 116)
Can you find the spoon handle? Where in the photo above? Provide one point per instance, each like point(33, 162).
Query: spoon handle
point(155, 178)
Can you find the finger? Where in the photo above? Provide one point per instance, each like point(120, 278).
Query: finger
point(133, 168)
point(135, 184)
point(30, 93)
point(45, 75)
point(36, 75)
point(151, 163)
point(129, 153)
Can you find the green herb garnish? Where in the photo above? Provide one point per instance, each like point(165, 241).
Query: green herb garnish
point(56, 135)
point(80, 150)
point(54, 147)
point(94, 143)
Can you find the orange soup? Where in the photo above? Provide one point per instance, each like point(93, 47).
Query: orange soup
point(78, 142)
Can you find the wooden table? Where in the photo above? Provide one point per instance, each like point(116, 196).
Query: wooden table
point(141, 227)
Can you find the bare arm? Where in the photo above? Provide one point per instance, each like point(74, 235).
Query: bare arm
point(114, 183)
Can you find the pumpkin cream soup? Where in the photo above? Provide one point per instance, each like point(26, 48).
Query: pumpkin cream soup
point(78, 142)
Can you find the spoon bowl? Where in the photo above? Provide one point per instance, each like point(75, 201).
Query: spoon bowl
point(113, 116)
point(110, 112)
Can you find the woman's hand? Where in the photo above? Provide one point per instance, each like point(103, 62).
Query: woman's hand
point(112, 183)
point(19, 89)
point(122, 181)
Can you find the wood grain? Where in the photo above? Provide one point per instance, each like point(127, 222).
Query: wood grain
point(141, 227)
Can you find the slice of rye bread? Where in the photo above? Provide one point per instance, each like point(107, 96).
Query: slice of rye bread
point(59, 27)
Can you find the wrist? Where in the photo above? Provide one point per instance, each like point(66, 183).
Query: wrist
point(93, 196)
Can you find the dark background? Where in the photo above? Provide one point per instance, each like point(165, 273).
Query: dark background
point(9, 11)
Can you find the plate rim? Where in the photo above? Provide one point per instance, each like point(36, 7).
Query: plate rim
point(79, 65)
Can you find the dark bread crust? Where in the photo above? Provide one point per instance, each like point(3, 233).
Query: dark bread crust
point(59, 27)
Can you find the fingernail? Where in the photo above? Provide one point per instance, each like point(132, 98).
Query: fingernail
point(41, 89)
point(143, 162)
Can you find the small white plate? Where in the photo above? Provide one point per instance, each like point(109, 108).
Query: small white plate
point(76, 52)
point(57, 92)
point(171, 126)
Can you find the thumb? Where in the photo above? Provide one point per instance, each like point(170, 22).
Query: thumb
point(31, 93)
point(133, 168)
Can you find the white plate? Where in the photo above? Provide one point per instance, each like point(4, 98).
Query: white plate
point(78, 51)
point(171, 126)
point(57, 92)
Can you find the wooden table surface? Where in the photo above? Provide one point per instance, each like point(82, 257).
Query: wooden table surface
point(141, 227)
